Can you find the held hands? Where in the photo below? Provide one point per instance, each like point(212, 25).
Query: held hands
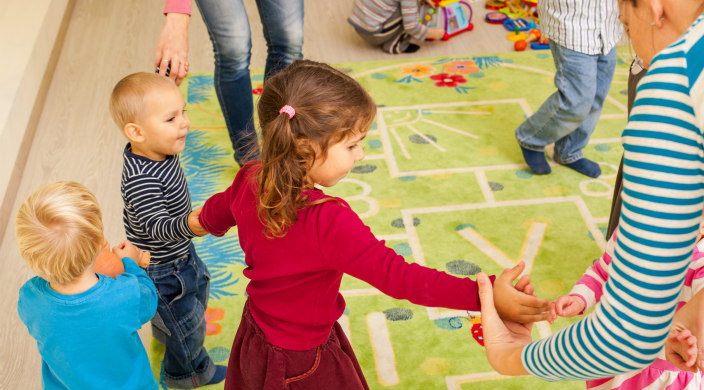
point(173, 47)
point(566, 306)
point(503, 339)
point(517, 303)
point(127, 249)
point(194, 223)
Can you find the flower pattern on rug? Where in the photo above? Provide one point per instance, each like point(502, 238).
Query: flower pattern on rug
point(448, 80)
point(464, 67)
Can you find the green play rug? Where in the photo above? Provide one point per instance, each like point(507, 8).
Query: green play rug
point(444, 183)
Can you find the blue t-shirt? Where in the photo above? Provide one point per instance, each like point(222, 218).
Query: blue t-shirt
point(90, 340)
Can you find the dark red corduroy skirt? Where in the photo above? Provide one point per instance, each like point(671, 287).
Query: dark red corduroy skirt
point(257, 364)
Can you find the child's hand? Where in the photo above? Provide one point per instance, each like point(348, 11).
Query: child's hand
point(681, 348)
point(144, 259)
point(127, 249)
point(516, 303)
point(435, 33)
point(194, 223)
point(566, 306)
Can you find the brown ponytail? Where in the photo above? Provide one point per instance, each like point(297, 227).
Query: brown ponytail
point(329, 106)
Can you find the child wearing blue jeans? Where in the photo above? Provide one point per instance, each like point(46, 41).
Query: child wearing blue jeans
point(85, 323)
point(585, 60)
point(150, 111)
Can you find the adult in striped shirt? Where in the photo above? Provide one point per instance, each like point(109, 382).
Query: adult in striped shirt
point(663, 196)
point(151, 112)
point(661, 374)
point(583, 36)
point(391, 24)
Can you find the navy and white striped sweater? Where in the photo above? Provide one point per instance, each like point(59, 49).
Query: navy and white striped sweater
point(157, 204)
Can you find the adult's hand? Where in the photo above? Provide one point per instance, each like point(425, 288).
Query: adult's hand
point(173, 47)
point(503, 340)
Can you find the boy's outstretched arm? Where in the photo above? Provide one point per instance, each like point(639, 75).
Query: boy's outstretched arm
point(194, 222)
point(517, 303)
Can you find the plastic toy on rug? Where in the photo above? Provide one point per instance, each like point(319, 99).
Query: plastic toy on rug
point(495, 17)
point(495, 5)
point(525, 9)
point(535, 38)
point(108, 264)
point(477, 330)
point(455, 16)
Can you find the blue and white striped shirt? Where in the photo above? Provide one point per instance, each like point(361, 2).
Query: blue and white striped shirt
point(157, 204)
point(663, 197)
point(585, 26)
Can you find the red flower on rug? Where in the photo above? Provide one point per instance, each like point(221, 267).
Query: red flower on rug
point(213, 314)
point(258, 89)
point(447, 80)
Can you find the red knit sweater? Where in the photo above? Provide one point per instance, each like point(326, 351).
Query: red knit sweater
point(294, 288)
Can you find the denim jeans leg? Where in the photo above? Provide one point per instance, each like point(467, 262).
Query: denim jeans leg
point(228, 27)
point(282, 21)
point(182, 286)
point(569, 148)
point(566, 109)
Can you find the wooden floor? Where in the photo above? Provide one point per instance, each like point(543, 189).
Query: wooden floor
point(77, 140)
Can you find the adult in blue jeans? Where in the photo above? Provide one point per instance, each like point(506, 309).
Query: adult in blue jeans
point(228, 27)
point(583, 37)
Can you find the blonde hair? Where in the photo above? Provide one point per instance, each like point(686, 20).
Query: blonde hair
point(127, 98)
point(329, 106)
point(59, 231)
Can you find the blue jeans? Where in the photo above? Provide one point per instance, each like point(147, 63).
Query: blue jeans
point(228, 26)
point(183, 286)
point(569, 116)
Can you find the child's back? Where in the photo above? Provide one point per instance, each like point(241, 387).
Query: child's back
point(89, 340)
point(85, 323)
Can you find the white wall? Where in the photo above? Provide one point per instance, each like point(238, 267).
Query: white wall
point(28, 33)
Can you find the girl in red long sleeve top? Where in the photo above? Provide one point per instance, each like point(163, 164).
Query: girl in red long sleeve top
point(298, 242)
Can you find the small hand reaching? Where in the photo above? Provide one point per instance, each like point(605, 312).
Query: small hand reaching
point(194, 222)
point(681, 348)
point(127, 249)
point(517, 303)
point(566, 306)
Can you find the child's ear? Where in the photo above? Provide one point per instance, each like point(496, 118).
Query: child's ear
point(657, 11)
point(133, 132)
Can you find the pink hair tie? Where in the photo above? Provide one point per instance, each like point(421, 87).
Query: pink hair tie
point(289, 110)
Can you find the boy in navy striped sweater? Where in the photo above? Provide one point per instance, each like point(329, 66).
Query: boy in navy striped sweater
point(150, 111)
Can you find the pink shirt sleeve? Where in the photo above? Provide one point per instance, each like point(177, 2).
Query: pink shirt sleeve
point(177, 6)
